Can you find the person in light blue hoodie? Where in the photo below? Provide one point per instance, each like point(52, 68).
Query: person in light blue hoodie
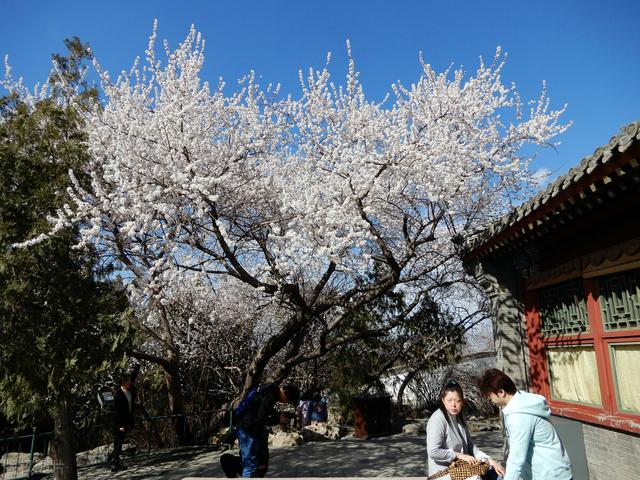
point(535, 450)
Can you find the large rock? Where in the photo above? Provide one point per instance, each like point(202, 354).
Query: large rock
point(13, 459)
point(43, 466)
point(16, 464)
point(414, 428)
point(285, 439)
point(484, 424)
point(12, 473)
point(95, 455)
point(319, 432)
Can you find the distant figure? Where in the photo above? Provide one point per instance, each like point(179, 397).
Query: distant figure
point(448, 438)
point(252, 416)
point(304, 412)
point(123, 409)
point(535, 450)
point(312, 407)
point(319, 411)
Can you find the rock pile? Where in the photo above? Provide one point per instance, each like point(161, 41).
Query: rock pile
point(16, 464)
point(285, 439)
point(484, 424)
point(321, 432)
point(416, 427)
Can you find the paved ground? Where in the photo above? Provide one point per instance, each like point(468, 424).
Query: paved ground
point(401, 455)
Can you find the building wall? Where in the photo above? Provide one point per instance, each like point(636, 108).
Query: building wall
point(572, 435)
point(597, 453)
point(611, 454)
point(510, 337)
point(509, 328)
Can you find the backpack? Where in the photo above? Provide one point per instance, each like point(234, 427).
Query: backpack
point(242, 406)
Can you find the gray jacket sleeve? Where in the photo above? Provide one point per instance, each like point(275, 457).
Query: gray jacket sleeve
point(437, 439)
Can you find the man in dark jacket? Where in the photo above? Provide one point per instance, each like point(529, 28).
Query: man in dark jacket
point(251, 426)
point(123, 408)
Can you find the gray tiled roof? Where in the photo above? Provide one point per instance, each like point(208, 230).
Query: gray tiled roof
point(628, 136)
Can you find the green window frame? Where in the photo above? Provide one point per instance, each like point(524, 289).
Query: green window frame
point(563, 308)
point(620, 300)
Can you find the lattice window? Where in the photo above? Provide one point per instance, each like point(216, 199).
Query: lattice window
point(563, 308)
point(620, 300)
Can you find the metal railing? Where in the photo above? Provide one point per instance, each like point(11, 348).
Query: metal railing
point(20, 454)
point(23, 456)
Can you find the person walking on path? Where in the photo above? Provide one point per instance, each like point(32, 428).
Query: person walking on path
point(251, 423)
point(535, 450)
point(123, 408)
point(448, 438)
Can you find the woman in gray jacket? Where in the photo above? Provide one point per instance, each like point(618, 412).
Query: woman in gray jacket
point(448, 438)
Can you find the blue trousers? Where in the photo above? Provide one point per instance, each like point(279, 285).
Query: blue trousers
point(254, 452)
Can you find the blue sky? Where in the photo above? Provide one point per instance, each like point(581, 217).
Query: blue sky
point(588, 51)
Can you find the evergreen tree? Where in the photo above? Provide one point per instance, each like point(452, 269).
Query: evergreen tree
point(62, 317)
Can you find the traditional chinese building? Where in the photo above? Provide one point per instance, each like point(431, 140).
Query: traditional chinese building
point(563, 274)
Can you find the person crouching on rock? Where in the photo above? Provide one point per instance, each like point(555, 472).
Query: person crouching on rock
point(252, 421)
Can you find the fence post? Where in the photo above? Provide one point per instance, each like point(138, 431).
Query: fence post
point(230, 436)
point(33, 444)
point(149, 433)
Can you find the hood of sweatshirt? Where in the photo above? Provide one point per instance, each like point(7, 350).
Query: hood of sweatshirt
point(530, 403)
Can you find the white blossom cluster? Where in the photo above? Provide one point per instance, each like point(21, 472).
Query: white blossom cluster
point(206, 320)
point(16, 86)
point(314, 195)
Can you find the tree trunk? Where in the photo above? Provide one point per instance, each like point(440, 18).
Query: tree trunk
point(176, 400)
point(270, 348)
point(403, 386)
point(171, 368)
point(62, 448)
point(170, 364)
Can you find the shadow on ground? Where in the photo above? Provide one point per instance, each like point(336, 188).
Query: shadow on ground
point(400, 455)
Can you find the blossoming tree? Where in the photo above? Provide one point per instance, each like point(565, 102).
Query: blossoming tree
point(319, 205)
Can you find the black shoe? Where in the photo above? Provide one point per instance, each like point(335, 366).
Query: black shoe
point(231, 465)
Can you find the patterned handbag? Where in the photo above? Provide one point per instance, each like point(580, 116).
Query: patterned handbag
point(461, 470)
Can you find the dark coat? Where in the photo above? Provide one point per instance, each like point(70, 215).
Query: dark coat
point(260, 412)
point(122, 417)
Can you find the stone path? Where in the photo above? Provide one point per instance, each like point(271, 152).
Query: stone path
point(401, 455)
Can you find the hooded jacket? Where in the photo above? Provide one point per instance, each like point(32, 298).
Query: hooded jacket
point(535, 450)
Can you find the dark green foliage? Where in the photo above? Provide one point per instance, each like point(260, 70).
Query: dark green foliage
point(356, 366)
point(70, 81)
point(62, 319)
point(423, 340)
